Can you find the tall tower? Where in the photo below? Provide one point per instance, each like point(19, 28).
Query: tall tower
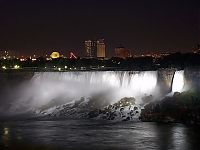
point(101, 48)
point(90, 49)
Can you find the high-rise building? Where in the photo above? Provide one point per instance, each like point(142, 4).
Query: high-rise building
point(101, 48)
point(122, 52)
point(90, 49)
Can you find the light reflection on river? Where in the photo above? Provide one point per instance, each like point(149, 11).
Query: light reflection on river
point(84, 134)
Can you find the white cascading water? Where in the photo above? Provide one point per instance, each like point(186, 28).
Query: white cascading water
point(104, 85)
point(81, 83)
point(109, 86)
point(178, 81)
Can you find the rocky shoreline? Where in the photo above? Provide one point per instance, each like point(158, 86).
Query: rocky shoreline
point(179, 108)
point(123, 110)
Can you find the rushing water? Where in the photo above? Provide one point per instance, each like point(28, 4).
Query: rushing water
point(64, 87)
point(126, 83)
point(178, 82)
point(107, 86)
point(85, 134)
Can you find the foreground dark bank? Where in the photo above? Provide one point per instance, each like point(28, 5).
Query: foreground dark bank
point(89, 135)
point(181, 107)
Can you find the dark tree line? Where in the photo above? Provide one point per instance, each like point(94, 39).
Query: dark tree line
point(176, 60)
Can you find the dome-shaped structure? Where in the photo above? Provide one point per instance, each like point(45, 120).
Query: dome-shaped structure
point(55, 55)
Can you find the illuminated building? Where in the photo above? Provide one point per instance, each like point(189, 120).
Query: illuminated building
point(197, 49)
point(72, 56)
point(55, 55)
point(101, 49)
point(8, 54)
point(122, 52)
point(90, 49)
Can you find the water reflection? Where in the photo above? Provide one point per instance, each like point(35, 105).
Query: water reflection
point(5, 136)
point(171, 136)
point(179, 138)
point(74, 134)
point(6, 131)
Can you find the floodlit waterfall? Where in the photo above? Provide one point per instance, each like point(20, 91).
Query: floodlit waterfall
point(122, 84)
point(109, 86)
point(57, 88)
point(178, 82)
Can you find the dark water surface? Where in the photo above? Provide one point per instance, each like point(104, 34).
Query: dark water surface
point(84, 134)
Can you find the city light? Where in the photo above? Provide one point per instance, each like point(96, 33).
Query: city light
point(48, 59)
point(33, 59)
point(55, 55)
point(72, 56)
point(22, 59)
point(16, 67)
point(3, 67)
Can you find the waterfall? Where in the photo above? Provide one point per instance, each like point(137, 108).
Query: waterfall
point(47, 88)
point(58, 88)
point(135, 82)
point(178, 81)
point(113, 84)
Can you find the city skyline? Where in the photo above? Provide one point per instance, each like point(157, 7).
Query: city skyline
point(41, 27)
point(91, 49)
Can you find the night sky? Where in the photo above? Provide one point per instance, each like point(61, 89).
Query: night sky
point(40, 26)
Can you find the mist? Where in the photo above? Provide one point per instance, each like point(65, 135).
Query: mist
point(106, 87)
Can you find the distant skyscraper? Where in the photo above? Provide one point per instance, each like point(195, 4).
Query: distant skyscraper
point(101, 49)
point(122, 52)
point(90, 49)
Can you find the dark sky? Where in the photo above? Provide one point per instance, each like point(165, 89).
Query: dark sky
point(40, 26)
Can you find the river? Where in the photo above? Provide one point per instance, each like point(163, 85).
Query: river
point(90, 134)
